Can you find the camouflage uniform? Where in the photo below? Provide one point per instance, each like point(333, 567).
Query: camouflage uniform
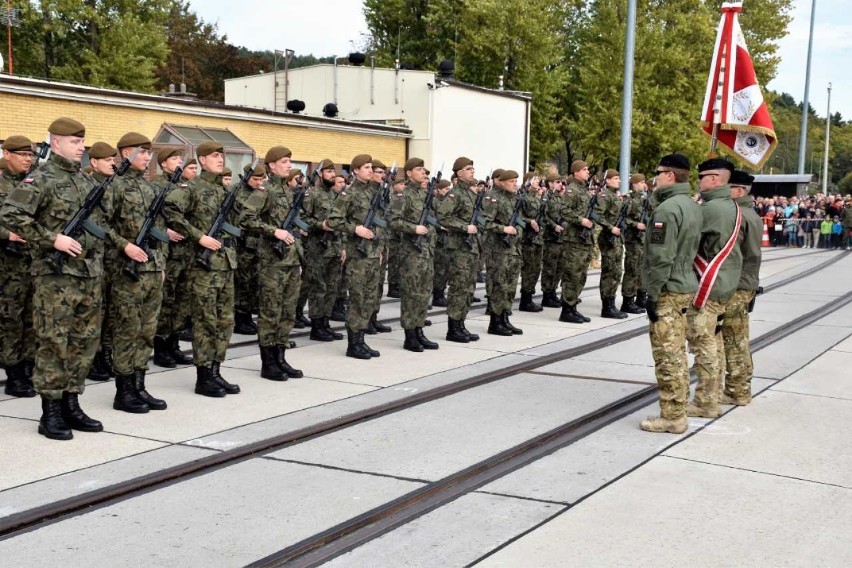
point(322, 251)
point(555, 248)
point(608, 210)
point(575, 206)
point(175, 310)
point(192, 212)
point(504, 262)
point(248, 267)
point(633, 244)
point(532, 245)
point(454, 213)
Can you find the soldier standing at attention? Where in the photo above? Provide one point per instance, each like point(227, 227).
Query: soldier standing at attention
point(246, 274)
point(362, 269)
point(393, 242)
point(375, 326)
point(505, 251)
point(634, 236)
point(190, 170)
point(670, 247)
point(135, 303)
point(295, 179)
point(531, 244)
point(579, 231)
point(227, 177)
point(609, 242)
point(735, 330)
point(720, 251)
point(441, 276)
point(174, 313)
point(323, 253)
point(17, 336)
point(192, 213)
point(280, 273)
point(554, 253)
point(416, 259)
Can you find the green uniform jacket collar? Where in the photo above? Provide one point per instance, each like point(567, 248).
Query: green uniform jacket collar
point(745, 201)
point(721, 192)
point(7, 173)
point(664, 193)
point(210, 176)
point(133, 174)
point(64, 163)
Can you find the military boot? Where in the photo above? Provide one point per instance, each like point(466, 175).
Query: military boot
point(205, 383)
point(496, 327)
point(301, 321)
point(660, 424)
point(488, 310)
point(318, 331)
point(98, 371)
point(354, 348)
point(641, 299)
point(143, 394)
point(338, 312)
point(628, 306)
point(508, 325)
point(570, 314)
point(725, 398)
point(696, 411)
point(269, 368)
point(480, 277)
point(187, 333)
point(327, 325)
point(379, 326)
point(74, 416)
point(220, 380)
point(371, 329)
point(162, 353)
point(411, 343)
point(244, 324)
point(438, 298)
point(17, 382)
point(393, 291)
point(475, 299)
point(550, 300)
point(424, 341)
point(289, 370)
point(610, 311)
point(126, 398)
point(51, 423)
point(29, 368)
point(175, 352)
point(107, 351)
point(527, 304)
point(455, 333)
point(370, 350)
point(470, 336)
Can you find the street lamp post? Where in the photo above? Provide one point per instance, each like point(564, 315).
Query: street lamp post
point(803, 134)
point(827, 134)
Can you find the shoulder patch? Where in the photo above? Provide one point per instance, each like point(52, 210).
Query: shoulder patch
point(28, 180)
point(342, 193)
point(658, 233)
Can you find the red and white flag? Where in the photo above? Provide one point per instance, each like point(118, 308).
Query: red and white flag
point(733, 103)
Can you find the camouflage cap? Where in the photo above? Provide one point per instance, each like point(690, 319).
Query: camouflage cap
point(412, 163)
point(508, 175)
point(636, 178)
point(461, 163)
point(207, 148)
point(134, 140)
point(360, 160)
point(164, 155)
point(379, 165)
point(67, 127)
point(101, 150)
point(578, 165)
point(276, 153)
point(326, 164)
point(294, 173)
point(611, 173)
point(15, 143)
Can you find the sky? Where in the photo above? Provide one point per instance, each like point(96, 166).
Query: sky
point(337, 27)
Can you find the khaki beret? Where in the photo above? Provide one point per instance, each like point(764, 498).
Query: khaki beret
point(412, 163)
point(259, 170)
point(276, 153)
point(15, 143)
point(497, 173)
point(360, 160)
point(226, 171)
point(207, 148)
point(326, 165)
point(89, 170)
point(67, 127)
point(552, 177)
point(294, 173)
point(192, 162)
point(2, 163)
point(399, 178)
point(164, 155)
point(610, 173)
point(508, 175)
point(461, 163)
point(444, 183)
point(578, 165)
point(101, 150)
point(636, 178)
point(529, 175)
point(134, 139)
point(378, 164)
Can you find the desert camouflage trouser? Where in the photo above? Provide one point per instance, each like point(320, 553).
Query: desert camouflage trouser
point(735, 336)
point(668, 346)
point(704, 334)
point(135, 307)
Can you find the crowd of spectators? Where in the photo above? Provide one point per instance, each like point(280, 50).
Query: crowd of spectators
point(818, 221)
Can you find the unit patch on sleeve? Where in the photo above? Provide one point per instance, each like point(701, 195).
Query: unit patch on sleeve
point(658, 233)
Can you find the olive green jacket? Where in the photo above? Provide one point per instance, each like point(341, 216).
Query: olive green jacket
point(719, 216)
point(752, 230)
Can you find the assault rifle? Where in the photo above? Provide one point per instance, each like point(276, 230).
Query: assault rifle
point(149, 225)
point(587, 232)
point(426, 216)
point(293, 220)
point(515, 220)
point(539, 217)
point(220, 223)
point(14, 249)
point(645, 210)
point(475, 218)
point(621, 221)
point(80, 222)
point(371, 221)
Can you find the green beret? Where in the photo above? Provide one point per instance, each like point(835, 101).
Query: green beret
point(207, 148)
point(15, 143)
point(164, 155)
point(399, 178)
point(192, 162)
point(552, 177)
point(529, 175)
point(497, 173)
point(378, 164)
point(134, 139)
point(259, 170)
point(67, 127)
point(294, 173)
point(413, 163)
point(636, 178)
point(610, 173)
point(578, 165)
point(444, 183)
point(101, 150)
point(276, 153)
point(226, 171)
point(461, 163)
point(508, 175)
point(360, 160)
point(326, 165)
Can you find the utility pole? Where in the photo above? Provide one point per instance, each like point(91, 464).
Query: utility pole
point(803, 135)
point(627, 97)
point(827, 133)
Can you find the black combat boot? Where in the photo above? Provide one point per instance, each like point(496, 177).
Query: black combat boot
point(508, 325)
point(610, 311)
point(455, 333)
point(527, 304)
point(370, 350)
point(641, 299)
point(550, 300)
point(289, 370)
point(570, 314)
point(496, 327)
point(220, 380)
point(488, 311)
point(424, 341)
point(470, 336)
point(17, 382)
point(269, 368)
point(187, 333)
point(480, 277)
point(438, 298)
point(162, 353)
point(475, 299)
point(74, 416)
point(411, 343)
point(393, 291)
point(51, 424)
point(126, 398)
point(318, 331)
point(629, 306)
point(371, 329)
point(301, 321)
point(327, 325)
point(143, 394)
point(338, 312)
point(107, 351)
point(29, 368)
point(206, 385)
point(175, 352)
point(244, 324)
point(379, 326)
point(354, 348)
point(98, 371)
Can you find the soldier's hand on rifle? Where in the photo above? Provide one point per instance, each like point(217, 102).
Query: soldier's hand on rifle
point(16, 238)
point(343, 256)
point(285, 236)
point(587, 223)
point(640, 226)
point(363, 232)
point(174, 236)
point(472, 230)
point(616, 231)
point(135, 253)
point(558, 228)
point(510, 230)
point(209, 243)
point(421, 230)
point(325, 226)
point(534, 225)
point(67, 245)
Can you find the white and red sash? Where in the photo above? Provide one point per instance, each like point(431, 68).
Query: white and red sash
point(708, 271)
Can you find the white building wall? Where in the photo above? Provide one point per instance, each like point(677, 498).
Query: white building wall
point(257, 91)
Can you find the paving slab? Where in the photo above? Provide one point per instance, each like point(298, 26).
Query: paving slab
point(578, 367)
point(636, 351)
point(425, 442)
point(844, 346)
point(82, 481)
point(434, 539)
point(782, 309)
point(695, 509)
point(229, 517)
point(828, 375)
point(787, 356)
